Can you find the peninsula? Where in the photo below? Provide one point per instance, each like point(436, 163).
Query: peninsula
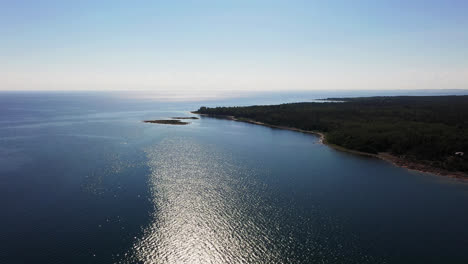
point(424, 133)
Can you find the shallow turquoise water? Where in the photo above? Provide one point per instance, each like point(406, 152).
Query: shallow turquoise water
point(83, 180)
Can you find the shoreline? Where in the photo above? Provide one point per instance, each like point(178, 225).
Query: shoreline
point(396, 161)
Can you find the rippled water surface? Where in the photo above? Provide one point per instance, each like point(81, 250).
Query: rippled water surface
point(83, 180)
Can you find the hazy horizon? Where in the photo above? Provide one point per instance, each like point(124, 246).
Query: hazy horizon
point(243, 98)
point(212, 48)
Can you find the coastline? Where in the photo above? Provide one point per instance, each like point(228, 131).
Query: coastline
point(397, 161)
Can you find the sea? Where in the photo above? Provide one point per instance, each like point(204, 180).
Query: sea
point(84, 180)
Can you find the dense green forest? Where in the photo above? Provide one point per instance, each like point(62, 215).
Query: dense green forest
point(428, 129)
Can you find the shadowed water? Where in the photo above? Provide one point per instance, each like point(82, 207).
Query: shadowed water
point(83, 180)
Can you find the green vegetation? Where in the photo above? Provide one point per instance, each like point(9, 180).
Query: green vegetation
point(424, 129)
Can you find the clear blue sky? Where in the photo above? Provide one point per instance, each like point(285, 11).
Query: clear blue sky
point(233, 45)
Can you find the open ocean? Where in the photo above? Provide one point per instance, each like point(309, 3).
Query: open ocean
point(83, 180)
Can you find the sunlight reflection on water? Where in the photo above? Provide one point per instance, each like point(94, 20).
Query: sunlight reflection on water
point(208, 209)
point(202, 213)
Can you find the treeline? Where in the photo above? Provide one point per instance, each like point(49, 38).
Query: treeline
point(428, 129)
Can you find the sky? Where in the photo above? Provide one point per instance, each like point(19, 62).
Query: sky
point(233, 46)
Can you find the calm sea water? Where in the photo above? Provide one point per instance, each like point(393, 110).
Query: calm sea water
point(83, 180)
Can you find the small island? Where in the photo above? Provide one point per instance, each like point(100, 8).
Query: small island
point(423, 133)
point(185, 117)
point(167, 122)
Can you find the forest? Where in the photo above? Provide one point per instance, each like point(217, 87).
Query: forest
point(425, 129)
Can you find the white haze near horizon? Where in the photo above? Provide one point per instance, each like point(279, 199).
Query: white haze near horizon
point(214, 49)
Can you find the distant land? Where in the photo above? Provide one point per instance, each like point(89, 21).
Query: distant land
point(424, 133)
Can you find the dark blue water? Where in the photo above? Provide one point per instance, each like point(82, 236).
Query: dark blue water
point(83, 180)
